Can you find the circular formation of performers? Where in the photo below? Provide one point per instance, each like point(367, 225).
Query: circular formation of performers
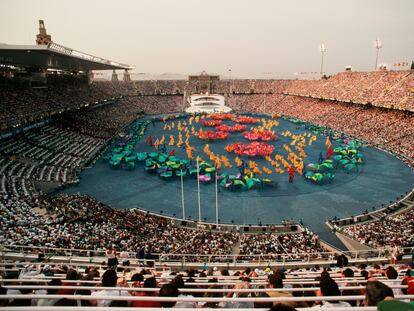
point(179, 131)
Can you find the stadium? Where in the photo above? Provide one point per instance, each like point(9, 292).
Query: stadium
point(203, 192)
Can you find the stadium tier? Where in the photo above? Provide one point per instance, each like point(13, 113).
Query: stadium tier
point(68, 249)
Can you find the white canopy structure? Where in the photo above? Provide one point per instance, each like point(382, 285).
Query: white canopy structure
point(207, 103)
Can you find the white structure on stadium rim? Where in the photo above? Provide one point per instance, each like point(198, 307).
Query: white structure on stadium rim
point(207, 103)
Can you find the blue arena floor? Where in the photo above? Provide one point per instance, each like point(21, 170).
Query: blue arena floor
point(380, 180)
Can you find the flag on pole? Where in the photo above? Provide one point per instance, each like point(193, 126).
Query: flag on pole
point(198, 191)
point(328, 148)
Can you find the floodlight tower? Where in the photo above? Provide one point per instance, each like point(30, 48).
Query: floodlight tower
point(322, 49)
point(378, 46)
point(229, 82)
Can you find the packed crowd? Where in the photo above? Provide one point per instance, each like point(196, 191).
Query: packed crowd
point(107, 120)
point(160, 87)
point(295, 246)
point(386, 232)
point(62, 94)
point(55, 153)
point(81, 222)
point(285, 289)
point(388, 89)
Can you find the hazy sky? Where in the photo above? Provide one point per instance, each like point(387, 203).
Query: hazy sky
point(250, 37)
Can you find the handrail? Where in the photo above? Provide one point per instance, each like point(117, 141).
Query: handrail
point(191, 290)
point(196, 299)
point(302, 257)
point(35, 308)
point(201, 283)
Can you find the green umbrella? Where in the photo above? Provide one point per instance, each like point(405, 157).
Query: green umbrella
point(344, 161)
point(224, 175)
point(180, 173)
point(130, 165)
point(153, 155)
point(223, 182)
point(327, 166)
point(194, 171)
point(239, 183)
point(175, 166)
point(149, 162)
point(308, 175)
point(141, 156)
point(162, 158)
point(350, 167)
point(130, 159)
point(318, 177)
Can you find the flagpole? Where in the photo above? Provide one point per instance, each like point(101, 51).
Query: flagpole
point(216, 200)
point(182, 194)
point(198, 190)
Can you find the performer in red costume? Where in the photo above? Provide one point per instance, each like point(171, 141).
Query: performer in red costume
point(291, 174)
point(149, 141)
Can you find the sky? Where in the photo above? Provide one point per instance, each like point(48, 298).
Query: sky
point(253, 38)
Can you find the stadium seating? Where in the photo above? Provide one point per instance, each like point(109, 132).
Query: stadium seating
point(80, 120)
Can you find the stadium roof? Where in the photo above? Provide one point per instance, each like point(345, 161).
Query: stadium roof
point(54, 56)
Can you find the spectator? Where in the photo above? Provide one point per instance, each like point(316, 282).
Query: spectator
point(109, 279)
point(276, 281)
point(375, 292)
point(328, 287)
point(168, 290)
point(148, 283)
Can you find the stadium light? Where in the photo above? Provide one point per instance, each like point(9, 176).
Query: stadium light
point(322, 49)
point(229, 82)
point(378, 46)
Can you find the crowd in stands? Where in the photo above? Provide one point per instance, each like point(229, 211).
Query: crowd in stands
point(107, 120)
point(56, 152)
point(388, 89)
point(146, 287)
point(386, 232)
point(62, 94)
point(81, 222)
point(160, 87)
point(296, 246)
